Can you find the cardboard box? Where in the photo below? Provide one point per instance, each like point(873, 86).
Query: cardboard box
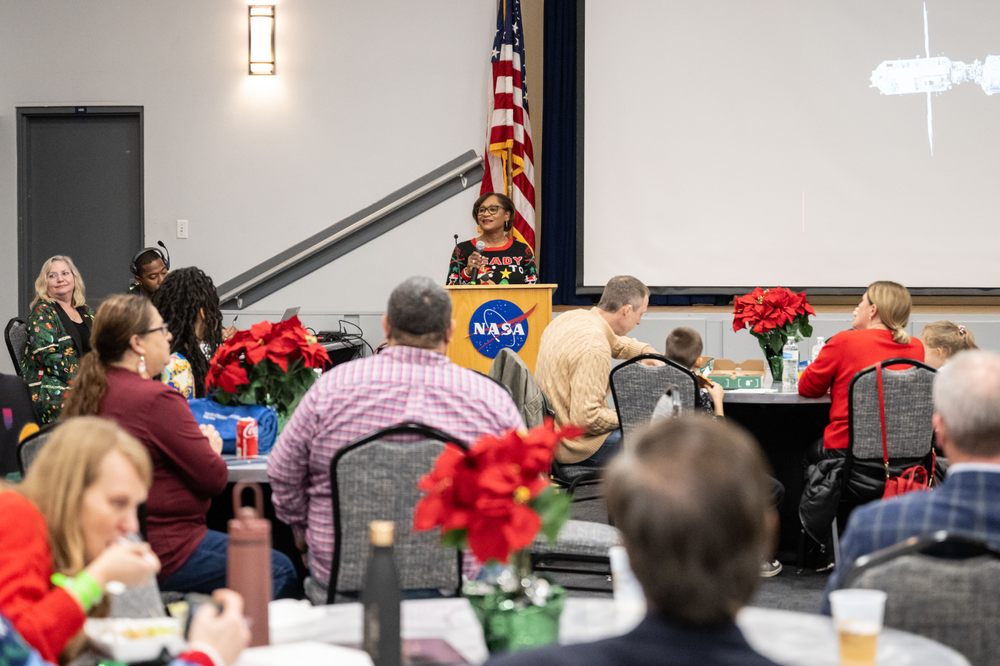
point(733, 375)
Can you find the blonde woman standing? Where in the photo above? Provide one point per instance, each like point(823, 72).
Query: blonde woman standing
point(877, 334)
point(58, 335)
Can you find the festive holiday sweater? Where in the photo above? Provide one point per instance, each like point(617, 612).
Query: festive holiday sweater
point(511, 263)
point(51, 358)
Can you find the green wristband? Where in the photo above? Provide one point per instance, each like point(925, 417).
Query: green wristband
point(83, 586)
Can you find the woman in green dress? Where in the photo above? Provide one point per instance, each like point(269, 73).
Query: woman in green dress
point(58, 335)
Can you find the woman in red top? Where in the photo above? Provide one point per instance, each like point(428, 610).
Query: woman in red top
point(130, 344)
point(79, 497)
point(877, 335)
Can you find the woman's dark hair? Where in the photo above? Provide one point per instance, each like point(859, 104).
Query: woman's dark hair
point(184, 294)
point(117, 320)
point(505, 203)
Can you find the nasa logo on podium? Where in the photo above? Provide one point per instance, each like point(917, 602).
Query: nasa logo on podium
point(496, 325)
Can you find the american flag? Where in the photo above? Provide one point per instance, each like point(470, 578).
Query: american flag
point(509, 126)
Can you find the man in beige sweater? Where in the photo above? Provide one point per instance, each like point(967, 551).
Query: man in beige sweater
point(574, 364)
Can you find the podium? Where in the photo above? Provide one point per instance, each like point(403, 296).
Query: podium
point(483, 325)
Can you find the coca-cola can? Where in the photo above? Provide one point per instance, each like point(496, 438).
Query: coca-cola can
point(246, 437)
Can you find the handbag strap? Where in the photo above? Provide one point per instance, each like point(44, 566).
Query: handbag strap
point(881, 413)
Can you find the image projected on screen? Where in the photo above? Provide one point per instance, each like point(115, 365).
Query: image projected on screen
point(934, 75)
point(729, 144)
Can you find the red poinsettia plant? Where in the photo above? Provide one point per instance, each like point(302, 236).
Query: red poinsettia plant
point(495, 498)
point(270, 364)
point(773, 316)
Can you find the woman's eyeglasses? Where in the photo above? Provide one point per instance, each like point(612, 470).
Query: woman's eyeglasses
point(489, 210)
point(162, 329)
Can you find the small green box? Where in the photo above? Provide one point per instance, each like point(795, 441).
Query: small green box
point(731, 375)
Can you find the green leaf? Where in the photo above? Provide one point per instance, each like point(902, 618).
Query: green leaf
point(454, 539)
point(552, 507)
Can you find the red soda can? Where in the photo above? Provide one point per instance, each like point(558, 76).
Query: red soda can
point(246, 437)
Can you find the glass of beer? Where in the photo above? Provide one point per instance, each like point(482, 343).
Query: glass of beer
point(857, 615)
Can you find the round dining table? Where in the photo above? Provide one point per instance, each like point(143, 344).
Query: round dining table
point(787, 637)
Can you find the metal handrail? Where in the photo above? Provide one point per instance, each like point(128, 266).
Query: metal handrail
point(363, 222)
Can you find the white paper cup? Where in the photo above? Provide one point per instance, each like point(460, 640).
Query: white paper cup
point(857, 616)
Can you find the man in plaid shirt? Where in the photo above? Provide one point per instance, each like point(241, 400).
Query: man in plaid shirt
point(411, 379)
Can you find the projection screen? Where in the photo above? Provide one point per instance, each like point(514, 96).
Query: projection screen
point(822, 144)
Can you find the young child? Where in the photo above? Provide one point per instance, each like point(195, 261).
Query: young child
point(944, 339)
point(684, 347)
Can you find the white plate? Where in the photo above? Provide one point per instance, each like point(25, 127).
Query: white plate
point(111, 637)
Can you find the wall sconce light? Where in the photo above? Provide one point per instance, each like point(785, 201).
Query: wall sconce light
point(262, 39)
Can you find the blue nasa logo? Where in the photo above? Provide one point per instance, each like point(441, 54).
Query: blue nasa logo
point(496, 325)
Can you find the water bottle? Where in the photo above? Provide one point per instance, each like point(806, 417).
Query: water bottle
point(790, 356)
point(820, 341)
point(380, 598)
point(249, 560)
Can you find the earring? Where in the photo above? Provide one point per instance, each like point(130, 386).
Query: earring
point(142, 365)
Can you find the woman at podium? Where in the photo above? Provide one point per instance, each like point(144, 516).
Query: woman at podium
point(493, 257)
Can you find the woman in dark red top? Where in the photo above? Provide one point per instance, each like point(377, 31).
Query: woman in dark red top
point(877, 335)
point(130, 344)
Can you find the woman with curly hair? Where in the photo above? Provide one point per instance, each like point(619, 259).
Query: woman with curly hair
point(189, 304)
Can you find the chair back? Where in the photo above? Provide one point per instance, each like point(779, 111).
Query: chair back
point(29, 448)
point(636, 388)
point(908, 410)
point(511, 372)
point(16, 335)
point(942, 587)
point(375, 478)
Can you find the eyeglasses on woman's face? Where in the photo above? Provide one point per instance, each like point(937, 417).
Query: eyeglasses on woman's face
point(162, 329)
point(488, 210)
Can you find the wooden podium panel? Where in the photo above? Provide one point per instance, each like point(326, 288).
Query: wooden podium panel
point(467, 298)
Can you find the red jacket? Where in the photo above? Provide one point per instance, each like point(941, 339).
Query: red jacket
point(841, 358)
point(187, 473)
point(46, 616)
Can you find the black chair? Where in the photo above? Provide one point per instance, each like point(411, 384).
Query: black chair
point(375, 478)
point(941, 586)
point(636, 388)
point(31, 446)
point(16, 335)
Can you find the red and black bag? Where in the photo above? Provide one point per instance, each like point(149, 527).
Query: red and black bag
point(913, 478)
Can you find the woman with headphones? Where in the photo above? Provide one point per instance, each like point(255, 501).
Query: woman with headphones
point(501, 259)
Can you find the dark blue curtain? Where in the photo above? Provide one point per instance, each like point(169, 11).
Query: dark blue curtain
point(557, 251)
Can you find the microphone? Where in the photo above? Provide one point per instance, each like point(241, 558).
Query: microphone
point(480, 246)
point(456, 240)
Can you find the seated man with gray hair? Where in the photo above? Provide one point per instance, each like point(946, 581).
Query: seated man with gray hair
point(693, 504)
point(967, 426)
point(410, 380)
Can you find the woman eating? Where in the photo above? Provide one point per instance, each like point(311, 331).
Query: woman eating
point(58, 335)
point(502, 260)
point(943, 339)
point(131, 344)
point(878, 334)
point(61, 530)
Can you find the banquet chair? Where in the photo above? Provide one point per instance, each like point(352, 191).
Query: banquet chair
point(636, 388)
point(16, 336)
point(941, 586)
point(909, 407)
point(29, 448)
point(375, 478)
point(511, 372)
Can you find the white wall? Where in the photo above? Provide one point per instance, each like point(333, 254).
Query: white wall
point(368, 97)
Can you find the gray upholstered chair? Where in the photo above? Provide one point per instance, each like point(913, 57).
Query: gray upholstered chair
point(942, 587)
point(582, 548)
point(29, 448)
point(636, 388)
point(16, 335)
point(375, 478)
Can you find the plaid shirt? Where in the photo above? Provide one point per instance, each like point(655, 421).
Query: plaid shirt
point(354, 399)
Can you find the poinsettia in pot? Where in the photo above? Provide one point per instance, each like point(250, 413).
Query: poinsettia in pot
point(270, 364)
point(773, 316)
point(493, 501)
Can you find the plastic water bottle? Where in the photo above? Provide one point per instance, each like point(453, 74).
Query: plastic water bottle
point(630, 600)
point(820, 341)
point(790, 374)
